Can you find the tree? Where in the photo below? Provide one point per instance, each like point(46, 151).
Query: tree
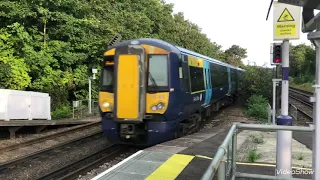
point(50, 46)
point(235, 54)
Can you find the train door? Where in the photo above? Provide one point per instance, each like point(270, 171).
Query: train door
point(130, 78)
point(208, 83)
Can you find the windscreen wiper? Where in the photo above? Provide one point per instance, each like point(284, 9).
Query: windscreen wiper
point(154, 82)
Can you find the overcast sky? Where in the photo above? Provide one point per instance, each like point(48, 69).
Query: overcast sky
point(242, 23)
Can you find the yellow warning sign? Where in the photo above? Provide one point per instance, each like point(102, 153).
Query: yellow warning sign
point(286, 22)
point(288, 29)
point(285, 16)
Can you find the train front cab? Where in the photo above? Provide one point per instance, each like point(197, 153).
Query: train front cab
point(134, 95)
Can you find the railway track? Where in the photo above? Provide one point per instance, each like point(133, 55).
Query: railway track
point(87, 163)
point(48, 153)
point(300, 100)
point(45, 138)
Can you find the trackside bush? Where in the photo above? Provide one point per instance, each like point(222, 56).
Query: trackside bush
point(258, 80)
point(257, 106)
point(62, 112)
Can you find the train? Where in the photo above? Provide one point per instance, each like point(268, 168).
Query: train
point(152, 91)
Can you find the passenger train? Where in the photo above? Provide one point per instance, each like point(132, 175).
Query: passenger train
point(152, 91)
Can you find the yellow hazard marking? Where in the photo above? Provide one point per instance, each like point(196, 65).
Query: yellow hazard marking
point(170, 169)
point(285, 16)
point(256, 164)
point(270, 165)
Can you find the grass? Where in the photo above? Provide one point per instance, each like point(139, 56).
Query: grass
point(253, 155)
point(299, 156)
point(304, 86)
point(257, 139)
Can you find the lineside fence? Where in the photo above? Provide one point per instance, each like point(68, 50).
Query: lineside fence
point(224, 162)
point(80, 109)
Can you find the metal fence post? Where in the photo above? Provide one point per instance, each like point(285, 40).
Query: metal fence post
point(234, 154)
point(222, 169)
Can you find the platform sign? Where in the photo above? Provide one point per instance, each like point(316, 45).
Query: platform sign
point(286, 21)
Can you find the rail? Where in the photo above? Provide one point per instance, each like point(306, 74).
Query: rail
point(224, 162)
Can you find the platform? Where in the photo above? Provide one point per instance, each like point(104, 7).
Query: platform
point(14, 125)
point(185, 158)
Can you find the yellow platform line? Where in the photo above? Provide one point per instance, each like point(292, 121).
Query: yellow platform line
point(256, 164)
point(170, 169)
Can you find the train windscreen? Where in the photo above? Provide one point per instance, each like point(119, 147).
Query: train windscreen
point(158, 73)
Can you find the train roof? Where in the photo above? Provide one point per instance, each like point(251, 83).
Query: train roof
point(170, 47)
point(206, 58)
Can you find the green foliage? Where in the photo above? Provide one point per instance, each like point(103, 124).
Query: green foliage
point(302, 62)
point(253, 155)
point(257, 139)
point(49, 46)
point(257, 106)
point(62, 112)
point(303, 86)
point(258, 80)
point(234, 54)
point(299, 156)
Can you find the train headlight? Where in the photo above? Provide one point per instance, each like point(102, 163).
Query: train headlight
point(106, 105)
point(154, 108)
point(160, 106)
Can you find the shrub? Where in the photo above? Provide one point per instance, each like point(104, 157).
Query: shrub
point(257, 106)
point(257, 139)
point(253, 156)
point(62, 112)
point(258, 80)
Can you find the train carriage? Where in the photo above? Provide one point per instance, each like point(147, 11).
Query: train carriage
point(152, 91)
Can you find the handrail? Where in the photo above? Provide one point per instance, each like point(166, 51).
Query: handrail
point(223, 149)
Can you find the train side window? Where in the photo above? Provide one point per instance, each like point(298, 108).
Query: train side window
point(217, 76)
point(196, 78)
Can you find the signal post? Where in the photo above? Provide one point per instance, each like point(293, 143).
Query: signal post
point(286, 27)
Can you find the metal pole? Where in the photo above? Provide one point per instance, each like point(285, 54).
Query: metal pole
point(274, 103)
point(274, 97)
point(222, 169)
point(284, 138)
point(316, 106)
point(89, 102)
point(234, 154)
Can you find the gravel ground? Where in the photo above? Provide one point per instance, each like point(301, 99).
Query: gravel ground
point(6, 156)
point(26, 137)
point(267, 149)
point(225, 117)
point(41, 165)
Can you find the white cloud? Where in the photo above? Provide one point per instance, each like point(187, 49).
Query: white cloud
point(234, 22)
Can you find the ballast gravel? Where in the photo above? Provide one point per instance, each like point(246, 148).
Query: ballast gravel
point(9, 155)
point(39, 166)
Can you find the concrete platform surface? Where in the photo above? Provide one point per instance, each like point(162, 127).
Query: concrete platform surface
point(170, 160)
point(44, 122)
point(186, 158)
